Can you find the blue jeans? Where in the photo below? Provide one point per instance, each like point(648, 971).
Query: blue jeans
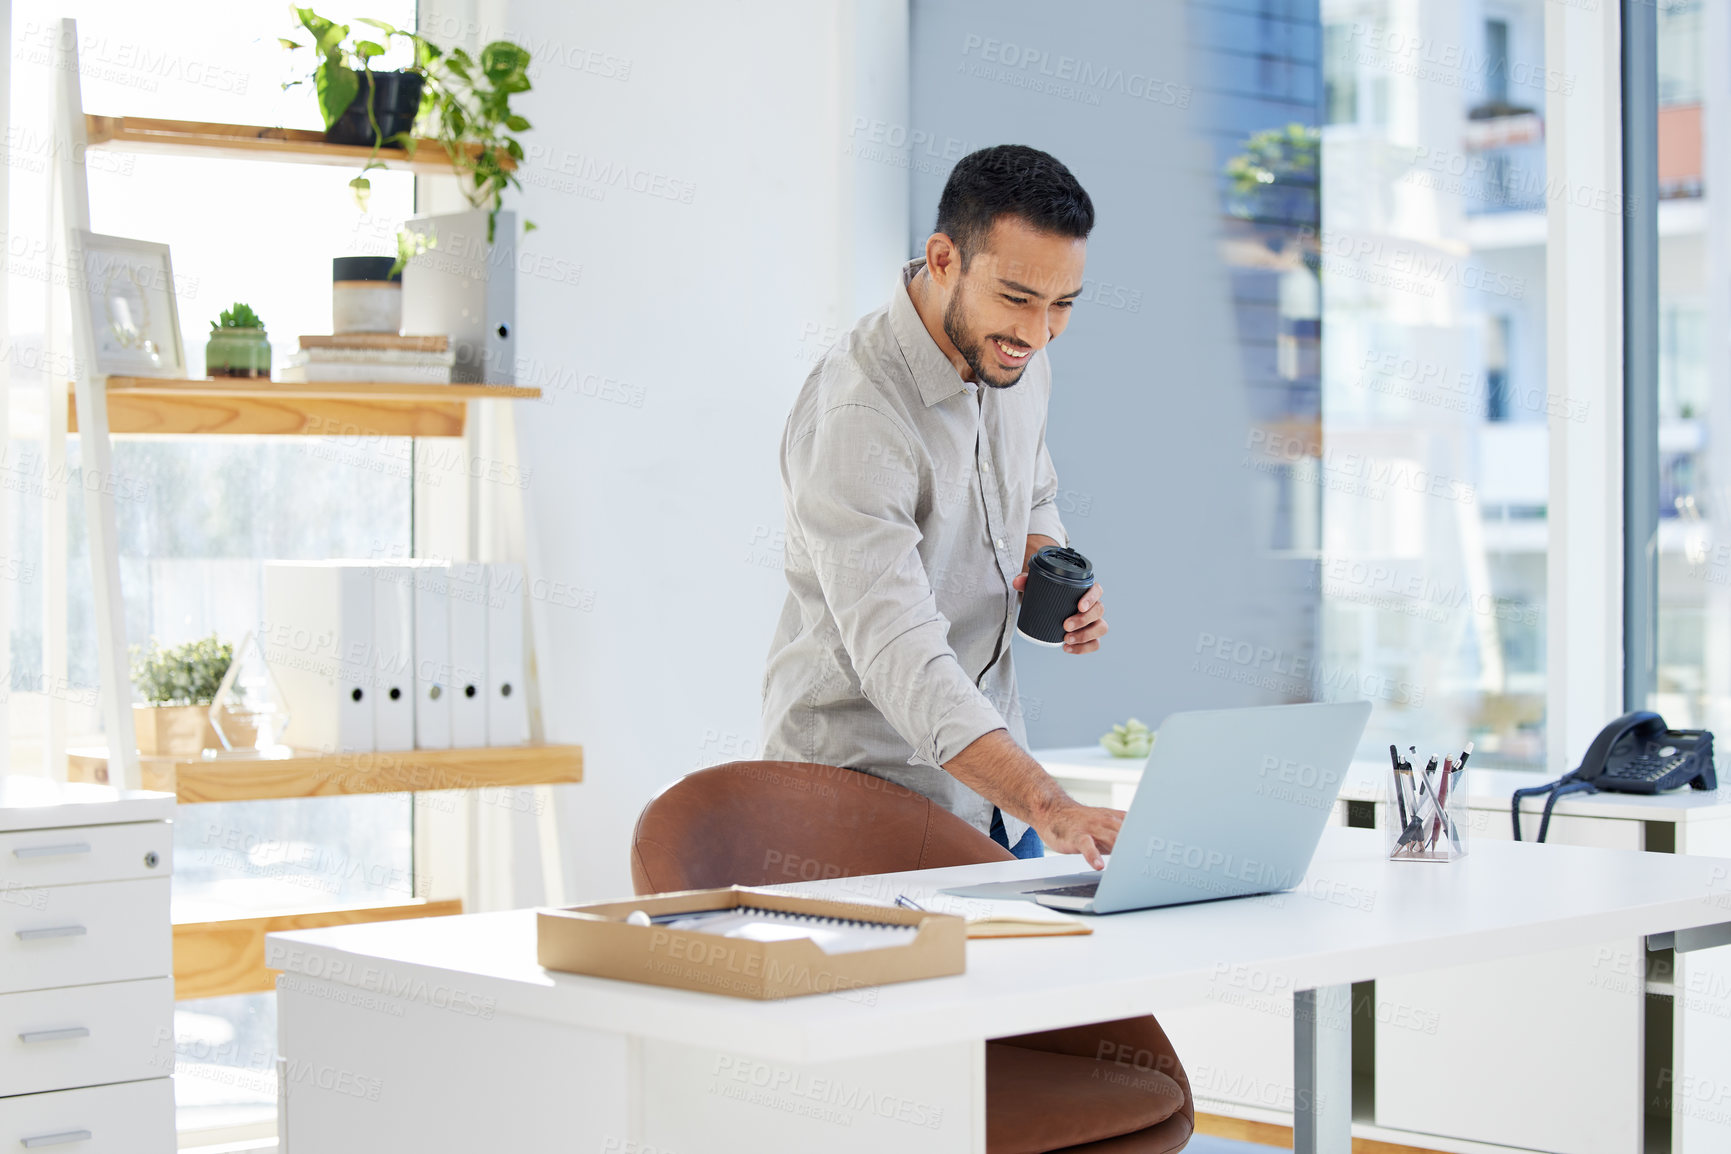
point(1029, 846)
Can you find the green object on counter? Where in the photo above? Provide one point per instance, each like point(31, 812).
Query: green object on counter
point(1132, 739)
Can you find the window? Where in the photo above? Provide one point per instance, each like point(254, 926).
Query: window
point(207, 510)
point(1340, 75)
point(1680, 51)
point(1693, 681)
point(1497, 61)
point(1432, 464)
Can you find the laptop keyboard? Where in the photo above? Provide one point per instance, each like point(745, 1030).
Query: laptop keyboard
point(1085, 890)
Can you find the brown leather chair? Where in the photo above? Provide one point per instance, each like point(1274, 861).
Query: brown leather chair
point(1108, 1088)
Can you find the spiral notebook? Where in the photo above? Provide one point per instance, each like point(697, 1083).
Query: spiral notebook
point(831, 935)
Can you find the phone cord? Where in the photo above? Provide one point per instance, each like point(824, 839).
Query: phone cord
point(1556, 789)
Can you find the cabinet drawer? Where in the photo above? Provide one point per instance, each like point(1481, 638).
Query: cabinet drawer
point(86, 1035)
point(128, 1118)
point(89, 853)
point(80, 935)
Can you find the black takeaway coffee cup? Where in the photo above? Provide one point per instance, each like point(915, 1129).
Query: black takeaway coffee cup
point(1057, 579)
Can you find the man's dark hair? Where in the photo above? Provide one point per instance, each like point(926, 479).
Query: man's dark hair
point(1011, 180)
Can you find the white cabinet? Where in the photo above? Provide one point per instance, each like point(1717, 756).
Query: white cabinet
point(86, 1035)
point(126, 1118)
point(86, 968)
point(79, 934)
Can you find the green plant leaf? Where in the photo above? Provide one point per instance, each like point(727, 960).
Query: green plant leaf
point(517, 124)
point(387, 29)
point(367, 49)
point(291, 45)
point(363, 188)
point(327, 34)
point(337, 86)
point(240, 316)
point(502, 60)
point(529, 226)
point(187, 674)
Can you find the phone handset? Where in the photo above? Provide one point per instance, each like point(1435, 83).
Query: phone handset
point(1636, 753)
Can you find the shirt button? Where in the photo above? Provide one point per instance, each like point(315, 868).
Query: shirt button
point(1000, 542)
point(985, 466)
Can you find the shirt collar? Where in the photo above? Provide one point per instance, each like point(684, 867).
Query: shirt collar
point(935, 376)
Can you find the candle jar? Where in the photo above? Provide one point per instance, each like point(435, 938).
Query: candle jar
point(366, 296)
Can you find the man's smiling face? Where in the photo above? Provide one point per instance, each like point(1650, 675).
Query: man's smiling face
point(1014, 298)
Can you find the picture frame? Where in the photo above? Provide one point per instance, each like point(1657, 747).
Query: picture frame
point(134, 317)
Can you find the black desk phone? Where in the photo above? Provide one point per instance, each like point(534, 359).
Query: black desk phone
point(1637, 753)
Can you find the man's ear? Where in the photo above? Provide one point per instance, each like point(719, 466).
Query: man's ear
point(943, 260)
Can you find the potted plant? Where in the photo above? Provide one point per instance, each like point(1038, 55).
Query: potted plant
point(238, 345)
point(1274, 180)
point(464, 102)
point(360, 106)
point(178, 686)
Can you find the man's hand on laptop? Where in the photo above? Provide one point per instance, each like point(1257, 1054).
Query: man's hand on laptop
point(1002, 772)
point(1076, 828)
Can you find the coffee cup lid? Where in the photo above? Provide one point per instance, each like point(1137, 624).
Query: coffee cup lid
point(1063, 564)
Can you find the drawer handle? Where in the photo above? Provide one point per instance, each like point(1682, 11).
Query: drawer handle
point(61, 1035)
point(51, 932)
point(70, 847)
point(59, 1139)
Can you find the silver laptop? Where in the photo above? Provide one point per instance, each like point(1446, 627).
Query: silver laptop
point(1232, 802)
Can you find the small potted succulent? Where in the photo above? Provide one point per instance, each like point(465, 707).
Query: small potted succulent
point(178, 686)
point(238, 346)
point(1132, 739)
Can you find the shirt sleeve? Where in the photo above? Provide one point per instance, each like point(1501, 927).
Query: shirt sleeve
point(853, 489)
point(1043, 515)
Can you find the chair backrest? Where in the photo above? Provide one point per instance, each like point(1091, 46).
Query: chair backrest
point(754, 823)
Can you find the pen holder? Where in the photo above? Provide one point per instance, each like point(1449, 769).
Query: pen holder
point(1424, 816)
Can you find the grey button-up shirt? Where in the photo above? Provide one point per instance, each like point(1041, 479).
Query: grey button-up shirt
point(910, 494)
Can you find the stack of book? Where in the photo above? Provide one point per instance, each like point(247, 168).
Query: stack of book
point(384, 357)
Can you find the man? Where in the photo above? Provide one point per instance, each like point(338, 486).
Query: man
point(917, 485)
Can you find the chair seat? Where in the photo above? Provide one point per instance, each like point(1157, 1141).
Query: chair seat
point(1037, 1102)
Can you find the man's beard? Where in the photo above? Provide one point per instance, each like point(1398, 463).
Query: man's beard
point(974, 352)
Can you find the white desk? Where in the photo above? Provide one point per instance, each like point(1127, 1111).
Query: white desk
point(444, 1034)
point(1613, 999)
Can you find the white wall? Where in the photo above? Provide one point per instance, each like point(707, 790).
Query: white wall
point(670, 363)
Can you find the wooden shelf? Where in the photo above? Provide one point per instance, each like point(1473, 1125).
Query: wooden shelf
point(217, 958)
point(256, 142)
point(304, 774)
point(170, 407)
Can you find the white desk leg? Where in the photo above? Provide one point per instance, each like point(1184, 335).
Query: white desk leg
point(1322, 1070)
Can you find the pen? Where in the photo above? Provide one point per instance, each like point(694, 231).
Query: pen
point(908, 903)
point(1425, 791)
point(1442, 800)
point(1436, 797)
point(1399, 795)
point(1412, 828)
